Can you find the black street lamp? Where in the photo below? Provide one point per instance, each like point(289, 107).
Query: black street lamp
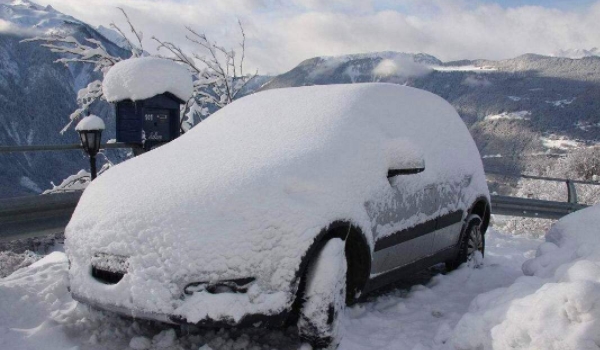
point(90, 132)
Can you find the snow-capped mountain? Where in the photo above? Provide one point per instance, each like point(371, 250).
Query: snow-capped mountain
point(356, 68)
point(37, 96)
point(577, 53)
point(551, 95)
point(113, 36)
point(26, 16)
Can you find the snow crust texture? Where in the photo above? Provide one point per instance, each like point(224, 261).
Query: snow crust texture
point(144, 77)
point(556, 306)
point(245, 193)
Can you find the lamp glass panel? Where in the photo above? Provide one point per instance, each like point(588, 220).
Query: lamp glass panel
point(91, 140)
point(97, 140)
point(83, 137)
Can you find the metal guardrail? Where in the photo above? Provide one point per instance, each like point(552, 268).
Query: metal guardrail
point(571, 189)
point(65, 147)
point(532, 208)
point(35, 216)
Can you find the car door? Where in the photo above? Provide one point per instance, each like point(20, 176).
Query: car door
point(404, 226)
point(450, 222)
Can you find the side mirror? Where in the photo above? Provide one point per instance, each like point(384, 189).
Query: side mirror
point(409, 166)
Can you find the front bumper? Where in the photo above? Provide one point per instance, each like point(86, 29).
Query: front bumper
point(249, 320)
point(123, 311)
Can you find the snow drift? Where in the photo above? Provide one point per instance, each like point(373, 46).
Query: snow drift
point(555, 307)
point(244, 194)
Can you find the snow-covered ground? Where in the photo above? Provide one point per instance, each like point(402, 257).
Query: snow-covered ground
point(561, 143)
point(36, 311)
point(530, 293)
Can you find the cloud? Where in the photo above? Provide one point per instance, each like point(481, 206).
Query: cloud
point(10, 28)
point(402, 67)
point(282, 34)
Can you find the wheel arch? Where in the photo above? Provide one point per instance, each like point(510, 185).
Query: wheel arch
point(358, 257)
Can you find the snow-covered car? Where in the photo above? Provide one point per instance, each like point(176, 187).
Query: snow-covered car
point(281, 208)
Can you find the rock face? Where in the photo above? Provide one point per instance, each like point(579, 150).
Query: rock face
point(37, 96)
point(509, 105)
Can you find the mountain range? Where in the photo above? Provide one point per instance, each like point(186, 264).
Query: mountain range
point(528, 106)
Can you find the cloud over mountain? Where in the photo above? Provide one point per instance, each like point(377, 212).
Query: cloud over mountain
point(281, 34)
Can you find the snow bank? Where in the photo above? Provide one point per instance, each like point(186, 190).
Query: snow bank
point(245, 193)
point(91, 122)
point(555, 306)
point(145, 77)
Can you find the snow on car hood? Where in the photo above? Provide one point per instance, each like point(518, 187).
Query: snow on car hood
point(244, 193)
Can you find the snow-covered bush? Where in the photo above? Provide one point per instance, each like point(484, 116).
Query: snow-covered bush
point(583, 163)
point(555, 306)
point(580, 164)
point(79, 181)
point(76, 182)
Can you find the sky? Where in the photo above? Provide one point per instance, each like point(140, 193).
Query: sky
point(281, 34)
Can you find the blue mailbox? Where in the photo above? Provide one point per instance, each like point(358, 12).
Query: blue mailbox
point(148, 93)
point(149, 122)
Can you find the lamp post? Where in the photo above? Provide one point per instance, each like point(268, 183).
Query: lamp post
point(90, 132)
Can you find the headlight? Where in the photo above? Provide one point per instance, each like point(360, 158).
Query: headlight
point(108, 268)
point(239, 285)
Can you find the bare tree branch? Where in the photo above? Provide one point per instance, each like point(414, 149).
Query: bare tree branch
point(218, 74)
point(139, 35)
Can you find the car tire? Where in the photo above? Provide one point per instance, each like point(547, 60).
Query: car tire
point(319, 322)
point(472, 244)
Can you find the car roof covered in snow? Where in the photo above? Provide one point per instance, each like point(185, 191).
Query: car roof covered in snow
point(309, 129)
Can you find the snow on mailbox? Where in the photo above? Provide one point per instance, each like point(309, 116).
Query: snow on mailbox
point(148, 93)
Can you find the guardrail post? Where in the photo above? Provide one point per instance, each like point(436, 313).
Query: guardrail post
point(571, 192)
